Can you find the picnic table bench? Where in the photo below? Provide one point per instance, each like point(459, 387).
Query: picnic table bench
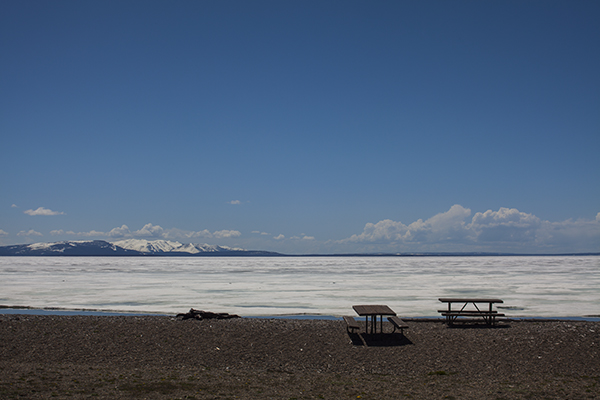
point(488, 314)
point(397, 323)
point(351, 324)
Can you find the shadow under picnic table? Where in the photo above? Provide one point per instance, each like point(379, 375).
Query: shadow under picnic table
point(379, 339)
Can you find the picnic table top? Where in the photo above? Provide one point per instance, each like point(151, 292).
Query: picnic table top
point(373, 309)
point(468, 300)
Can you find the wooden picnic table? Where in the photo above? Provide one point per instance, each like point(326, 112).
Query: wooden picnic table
point(487, 313)
point(372, 312)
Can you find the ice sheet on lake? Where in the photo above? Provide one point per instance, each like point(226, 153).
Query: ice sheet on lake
point(251, 286)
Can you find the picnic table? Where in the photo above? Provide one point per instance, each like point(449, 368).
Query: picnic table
point(371, 312)
point(486, 312)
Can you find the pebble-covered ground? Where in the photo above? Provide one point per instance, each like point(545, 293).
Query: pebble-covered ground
point(76, 357)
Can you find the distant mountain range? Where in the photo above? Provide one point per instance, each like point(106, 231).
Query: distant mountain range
point(129, 247)
point(140, 247)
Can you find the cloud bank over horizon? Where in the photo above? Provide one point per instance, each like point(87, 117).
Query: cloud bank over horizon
point(505, 230)
point(455, 230)
point(150, 231)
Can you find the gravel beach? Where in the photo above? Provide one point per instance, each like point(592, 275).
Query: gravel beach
point(152, 357)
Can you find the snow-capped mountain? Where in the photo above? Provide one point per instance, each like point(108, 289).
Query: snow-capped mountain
point(129, 247)
point(68, 248)
point(168, 246)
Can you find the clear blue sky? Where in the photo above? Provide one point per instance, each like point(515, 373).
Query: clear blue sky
point(302, 126)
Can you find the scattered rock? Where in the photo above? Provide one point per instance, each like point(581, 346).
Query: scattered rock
point(200, 315)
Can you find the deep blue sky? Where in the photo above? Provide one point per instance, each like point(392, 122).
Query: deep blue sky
point(302, 126)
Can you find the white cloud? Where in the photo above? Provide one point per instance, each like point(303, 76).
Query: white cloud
point(42, 211)
point(302, 237)
point(382, 231)
point(197, 234)
point(505, 225)
point(174, 233)
point(572, 236)
point(149, 230)
point(235, 202)
point(226, 234)
point(449, 226)
point(123, 231)
point(157, 232)
point(507, 229)
point(279, 237)
point(14, 206)
point(30, 232)
point(92, 234)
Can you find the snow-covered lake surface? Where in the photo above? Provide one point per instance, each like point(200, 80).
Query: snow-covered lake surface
point(548, 286)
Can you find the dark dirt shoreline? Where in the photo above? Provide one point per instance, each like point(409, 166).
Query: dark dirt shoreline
point(158, 357)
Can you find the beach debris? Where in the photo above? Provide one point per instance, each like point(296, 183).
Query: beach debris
point(200, 315)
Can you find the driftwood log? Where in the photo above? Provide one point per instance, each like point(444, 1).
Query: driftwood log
point(200, 315)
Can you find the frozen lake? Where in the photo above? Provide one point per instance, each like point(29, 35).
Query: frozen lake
point(548, 286)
